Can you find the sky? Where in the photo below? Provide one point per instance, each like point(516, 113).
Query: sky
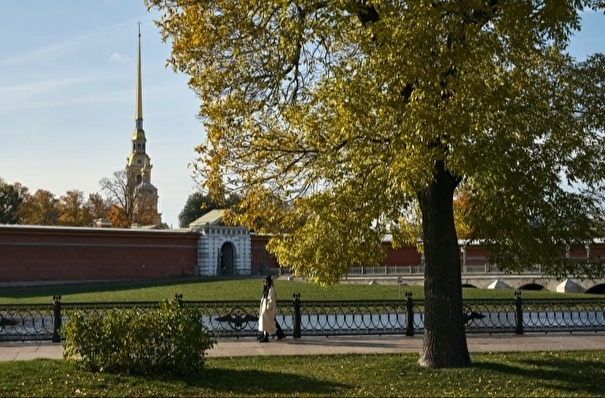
point(67, 97)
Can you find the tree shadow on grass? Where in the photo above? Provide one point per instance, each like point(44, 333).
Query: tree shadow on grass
point(260, 382)
point(581, 377)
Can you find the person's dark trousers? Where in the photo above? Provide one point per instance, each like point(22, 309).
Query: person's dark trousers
point(279, 333)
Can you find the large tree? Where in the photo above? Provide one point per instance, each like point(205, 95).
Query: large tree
point(11, 197)
point(73, 209)
point(120, 193)
point(353, 112)
point(199, 203)
point(128, 200)
point(97, 206)
point(39, 209)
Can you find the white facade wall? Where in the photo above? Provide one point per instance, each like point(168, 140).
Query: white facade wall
point(211, 240)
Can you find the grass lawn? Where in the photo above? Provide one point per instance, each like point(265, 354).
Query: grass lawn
point(539, 374)
point(536, 374)
point(235, 289)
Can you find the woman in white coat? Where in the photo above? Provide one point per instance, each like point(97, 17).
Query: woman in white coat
point(266, 313)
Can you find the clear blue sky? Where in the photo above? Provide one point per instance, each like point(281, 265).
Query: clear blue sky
point(67, 96)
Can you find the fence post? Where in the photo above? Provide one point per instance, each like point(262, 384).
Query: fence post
point(518, 313)
point(56, 318)
point(409, 314)
point(296, 322)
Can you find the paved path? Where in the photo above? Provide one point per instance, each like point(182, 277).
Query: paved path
point(346, 345)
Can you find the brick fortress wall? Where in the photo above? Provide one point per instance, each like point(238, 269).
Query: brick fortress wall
point(31, 254)
point(39, 254)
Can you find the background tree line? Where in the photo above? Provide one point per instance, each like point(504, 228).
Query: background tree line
point(20, 206)
point(114, 203)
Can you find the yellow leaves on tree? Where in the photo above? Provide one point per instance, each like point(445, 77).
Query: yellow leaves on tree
point(331, 119)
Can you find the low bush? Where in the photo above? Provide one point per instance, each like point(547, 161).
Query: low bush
point(169, 339)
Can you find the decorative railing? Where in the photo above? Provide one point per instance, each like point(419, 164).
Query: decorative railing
point(419, 270)
point(386, 270)
point(26, 322)
point(299, 318)
point(415, 270)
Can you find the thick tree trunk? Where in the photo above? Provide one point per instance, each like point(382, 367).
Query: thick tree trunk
point(444, 335)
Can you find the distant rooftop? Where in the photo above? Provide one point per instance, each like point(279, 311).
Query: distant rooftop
point(213, 217)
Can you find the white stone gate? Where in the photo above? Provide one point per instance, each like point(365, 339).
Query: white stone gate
point(221, 250)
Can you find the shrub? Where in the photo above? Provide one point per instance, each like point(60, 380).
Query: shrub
point(169, 339)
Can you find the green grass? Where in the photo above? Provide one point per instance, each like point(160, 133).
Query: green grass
point(234, 289)
point(542, 374)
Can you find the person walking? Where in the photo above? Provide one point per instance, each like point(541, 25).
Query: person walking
point(267, 323)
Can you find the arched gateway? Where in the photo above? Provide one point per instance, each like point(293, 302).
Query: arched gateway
point(227, 259)
point(222, 250)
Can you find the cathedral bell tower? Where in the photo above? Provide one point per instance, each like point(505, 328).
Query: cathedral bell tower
point(138, 163)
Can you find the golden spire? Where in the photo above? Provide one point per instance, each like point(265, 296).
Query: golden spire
point(138, 114)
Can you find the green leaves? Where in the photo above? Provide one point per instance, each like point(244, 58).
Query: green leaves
point(170, 339)
point(328, 118)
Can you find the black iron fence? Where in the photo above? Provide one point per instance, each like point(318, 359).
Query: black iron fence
point(299, 318)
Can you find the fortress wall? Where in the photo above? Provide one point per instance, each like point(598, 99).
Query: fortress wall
point(37, 254)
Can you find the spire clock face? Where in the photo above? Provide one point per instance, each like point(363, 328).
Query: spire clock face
point(139, 161)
